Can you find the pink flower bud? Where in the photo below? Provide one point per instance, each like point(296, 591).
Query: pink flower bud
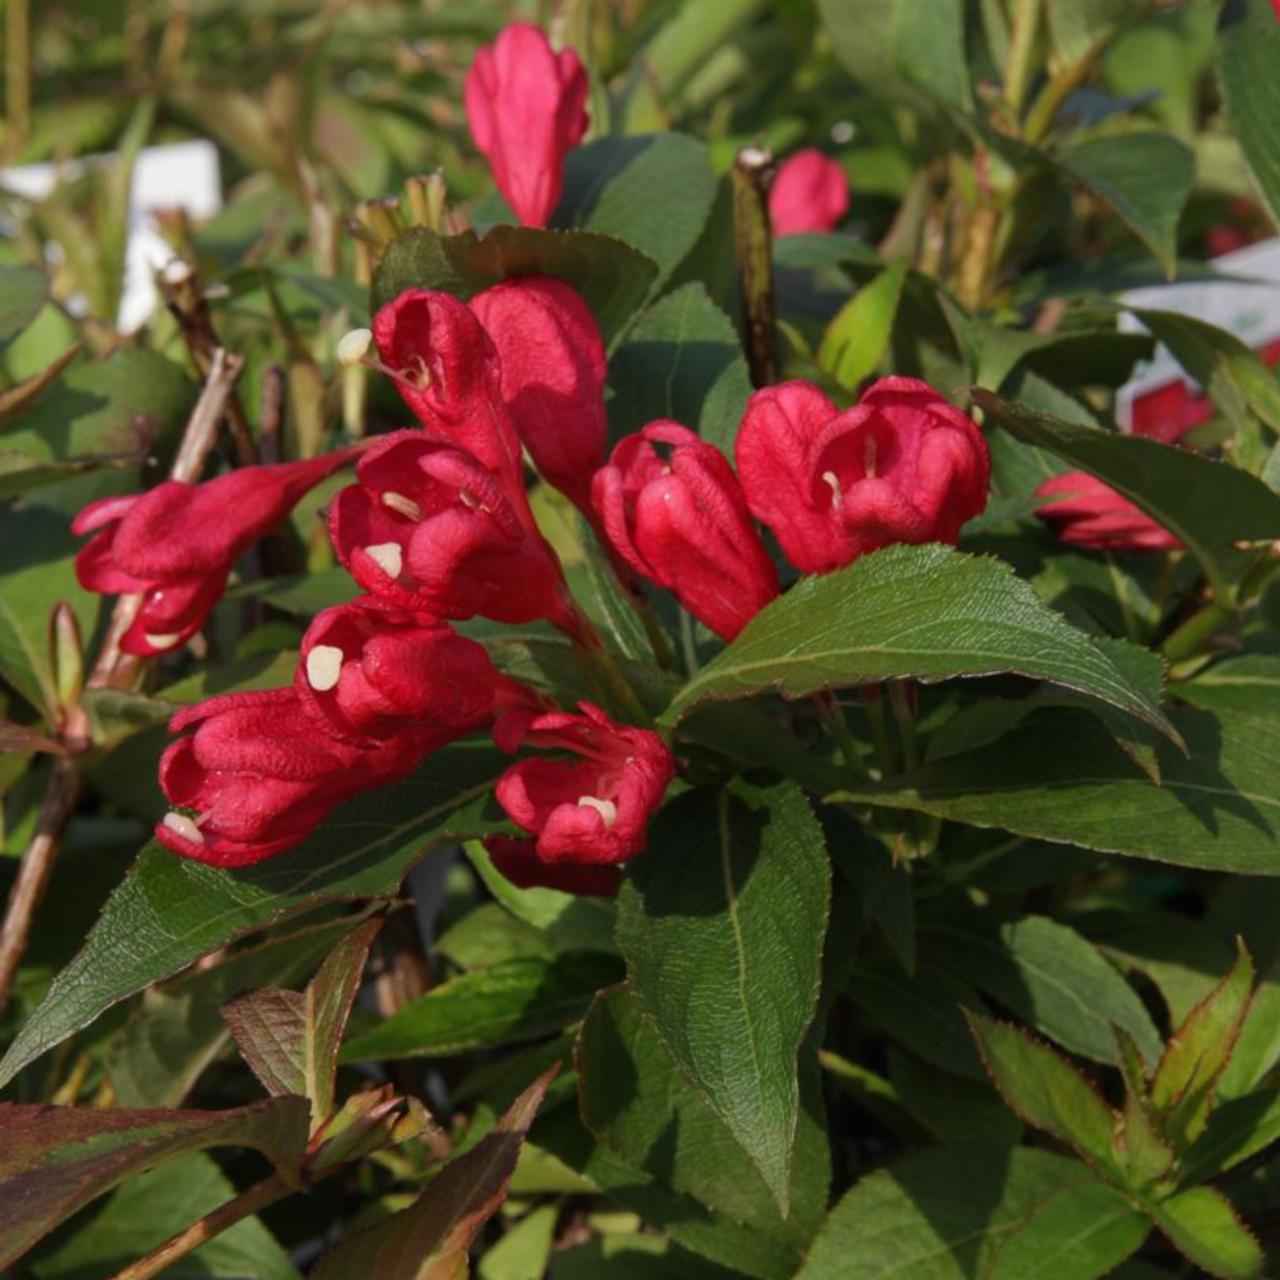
point(447, 371)
point(553, 376)
point(177, 543)
point(518, 860)
point(526, 105)
point(810, 193)
point(1093, 515)
point(429, 530)
point(681, 521)
point(259, 778)
point(902, 465)
point(593, 808)
point(371, 672)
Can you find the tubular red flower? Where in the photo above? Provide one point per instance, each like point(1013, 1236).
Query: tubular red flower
point(1091, 514)
point(810, 193)
point(682, 521)
point(370, 671)
point(553, 376)
point(518, 860)
point(592, 810)
point(428, 529)
point(176, 544)
point(901, 466)
point(526, 105)
point(257, 778)
point(448, 374)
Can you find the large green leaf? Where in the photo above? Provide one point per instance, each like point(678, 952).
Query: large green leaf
point(23, 290)
point(1249, 72)
point(956, 1213)
point(1209, 505)
point(55, 1160)
point(653, 191)
point(613, 277)
point(682, 359)
point(170, 911)
point(926, 613)
point(1203, 1226)
point(722, 925)
point(1060, 777)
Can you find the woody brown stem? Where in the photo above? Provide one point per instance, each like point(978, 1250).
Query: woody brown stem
point(753, 241)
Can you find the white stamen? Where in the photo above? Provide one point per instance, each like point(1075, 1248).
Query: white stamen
point(605, 808)
point(388, 557)
point(161, 641)
point(177, 271)
point(354, 346)
point(468, 500)
point(183, 826)
point(405, 506)
point(833, 480)
point(324, 666)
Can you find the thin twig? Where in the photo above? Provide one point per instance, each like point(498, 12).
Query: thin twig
point(752, 174)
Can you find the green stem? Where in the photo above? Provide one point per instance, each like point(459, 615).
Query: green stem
point(831, 714)
point(17, 76)
point(1020, 68)
point(753, 241)
point(906, 721)
point(873, 704)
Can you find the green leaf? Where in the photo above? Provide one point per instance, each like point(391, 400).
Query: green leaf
point(429, 1240)
point(524, 1252)
point(928, 613)
point(682, 359)
point(614, 278)
point(1248, 684)
point(511, 1001)
point(1218, 808)
point(55, 1160)
point(1249, 73)
point(1237, 1129)
point(152, 1206)
point(1209, 505)
point(885, 890)
point(16, 400)
point(954, 1213)
point(23, 291)
point(170, 911)
point(1051, 978)
point(1197, 1053)
point(653, 192)
point(661, 1125)
point(1145, 177)
point(1203, 1226)
point(858, 336)
point(290, 1039)
point(1076, 26)
point(722, 925)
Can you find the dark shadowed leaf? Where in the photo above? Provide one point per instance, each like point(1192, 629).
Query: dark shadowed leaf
point(1249, 72)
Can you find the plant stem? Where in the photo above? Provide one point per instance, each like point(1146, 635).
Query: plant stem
point(1020, 69)
point(17, 74)
point(831, 713)
point(753, 241)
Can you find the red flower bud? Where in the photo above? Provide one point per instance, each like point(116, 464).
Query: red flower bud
point(259, 778)
point(526, 105)
point(177, 543)
point(553, 376)
point(1094, 515)
point(682, 521)
point(430, 530)
point(371, 672)
point(810, 193)
point(518, 860)
point(447, 371)
point(594, 809)
point(900, 466)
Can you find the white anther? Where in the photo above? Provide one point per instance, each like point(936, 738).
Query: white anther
point(468, 500)
point(181, 825)
point(405, 506)
point(388, 557)
point(177, 271)
point(354, 346)
point(830, 478)
point(161, 641)
point(324, 666)
point(605, 808)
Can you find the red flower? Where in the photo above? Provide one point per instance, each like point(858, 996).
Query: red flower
point(809, 193)
point(518, 860)
point(682, 521)
point(591, 810)
point(177, 543)
point(900, 466)
point(428, 529)
point(259, 778)
point(526, 105)
point(553, 376)
point(371, 672)
point(447, 371)
point(1094, 515)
